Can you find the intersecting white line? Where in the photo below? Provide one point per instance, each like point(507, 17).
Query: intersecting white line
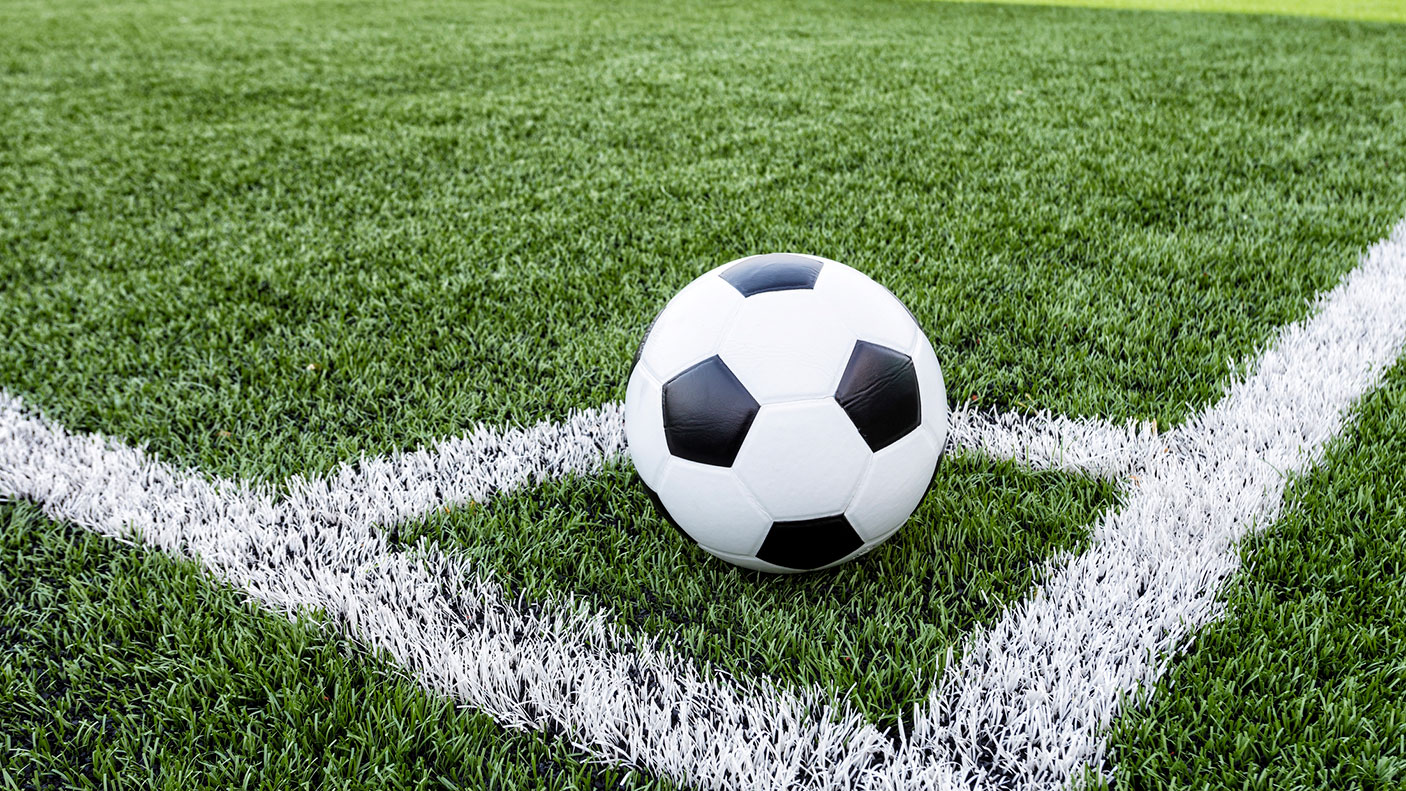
point(555, 666)
point(391, 489)
point(547, 666)
point(1024, 707)
point(1033, 693)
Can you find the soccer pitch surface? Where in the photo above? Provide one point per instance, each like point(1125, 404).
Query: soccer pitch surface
point(281, 246)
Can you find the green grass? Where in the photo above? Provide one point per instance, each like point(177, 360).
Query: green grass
point(265, 237)
point(122, 668)
point(1368, 10)
point(1303, 684)
point(876, 629)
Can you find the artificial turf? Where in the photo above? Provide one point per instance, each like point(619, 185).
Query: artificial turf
point(1368, 10)
point(1303, 684)
point(266, 237)
point(876, 630)
point(121, 668)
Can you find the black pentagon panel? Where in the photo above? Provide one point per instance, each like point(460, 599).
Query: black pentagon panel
point(809, 543)
point(879, 392)
point(707, 412)
point(774, 272)
point(664, 512)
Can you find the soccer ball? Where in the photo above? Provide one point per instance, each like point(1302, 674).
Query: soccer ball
point(786, 413)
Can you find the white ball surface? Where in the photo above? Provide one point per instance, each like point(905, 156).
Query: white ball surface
point(786, 412)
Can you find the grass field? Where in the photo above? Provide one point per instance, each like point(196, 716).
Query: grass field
point(121, 666)
point(214, 246)
point(1300, 687)
point(264, 238)
point(1365, 10)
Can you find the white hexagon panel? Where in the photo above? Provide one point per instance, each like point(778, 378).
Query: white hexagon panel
point(691, 327)
point(870, 311)
point(644, 425)
point(713, 507)
point(786, 346)
point(802, 460)
point(932, 392)
point(894, 484)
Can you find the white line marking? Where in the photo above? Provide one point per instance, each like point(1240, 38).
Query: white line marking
point(1030, 699)
point(1024, 708)
point(554, 666)
point(1054, 442)
point(391, 489)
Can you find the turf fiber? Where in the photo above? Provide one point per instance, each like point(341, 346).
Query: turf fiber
point(267, 237)
point(1303, 684)
point(971, 548)
point(264, 238)
point(120, 667)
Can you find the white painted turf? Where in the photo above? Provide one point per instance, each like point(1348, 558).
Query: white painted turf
point(1024, 707)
